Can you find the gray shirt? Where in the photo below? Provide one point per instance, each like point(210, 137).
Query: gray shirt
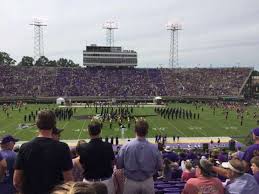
point(140, 159)
point(245, 184)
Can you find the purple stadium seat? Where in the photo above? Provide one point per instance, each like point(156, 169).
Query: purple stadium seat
point(163, 186)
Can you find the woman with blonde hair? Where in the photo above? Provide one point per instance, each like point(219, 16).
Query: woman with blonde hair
point(74, 188)
point(188, 172)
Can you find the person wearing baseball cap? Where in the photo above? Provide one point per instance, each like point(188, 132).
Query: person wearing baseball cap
point(7, 144)
point(8, 139)
point(251, 150)
point(239, 181)
point(170, 154)
point(56, 133)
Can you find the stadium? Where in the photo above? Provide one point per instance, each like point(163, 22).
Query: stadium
point(130, 129)
point(85, 88)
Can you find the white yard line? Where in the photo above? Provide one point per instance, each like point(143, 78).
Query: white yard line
point(196, 130)
point(81, 130)
point(18, 132)
point(176, 128)
point(65, 125)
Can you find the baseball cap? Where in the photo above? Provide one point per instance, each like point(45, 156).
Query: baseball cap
point(57, 130)
point(7, 139)
point(168, 149)
point(235, 165)
point(255, 131)
point(203, 158)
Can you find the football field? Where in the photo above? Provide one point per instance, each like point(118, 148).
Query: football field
point(207, 125)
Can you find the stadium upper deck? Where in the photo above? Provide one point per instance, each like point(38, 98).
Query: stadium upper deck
point(50, 82)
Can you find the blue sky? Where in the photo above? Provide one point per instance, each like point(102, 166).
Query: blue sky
point(215, 32)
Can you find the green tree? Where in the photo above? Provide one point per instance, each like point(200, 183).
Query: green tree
point(72, 64)
point(5, 59)
point(42, 61)
point(52, 63)
point(26, 61)
point(62, 62)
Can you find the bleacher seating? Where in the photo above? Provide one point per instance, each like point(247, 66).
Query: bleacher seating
point(49, 81)
point(169, 187)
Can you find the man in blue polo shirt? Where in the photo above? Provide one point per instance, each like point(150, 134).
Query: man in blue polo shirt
point(140, 160)
point(7, 144)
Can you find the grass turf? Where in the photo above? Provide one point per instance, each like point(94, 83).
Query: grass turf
point(208, 124)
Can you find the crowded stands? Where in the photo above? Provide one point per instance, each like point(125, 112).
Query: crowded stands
point(49, 81)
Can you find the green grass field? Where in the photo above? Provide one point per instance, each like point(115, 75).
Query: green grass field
point(207, 125)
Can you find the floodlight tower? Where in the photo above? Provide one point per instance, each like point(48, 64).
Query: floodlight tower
point(38, 38)
point(110, 26)
point(173, 56)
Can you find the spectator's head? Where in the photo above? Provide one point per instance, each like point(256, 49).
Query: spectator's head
point(235, 168)
point(56, 133)
point(74, 188)
point(168, 149)
point(141, 128)
point(167, 162)
point(160, 147)
point(100, 188)
point(46, 120)
point(204, 168)
point(255, 164)
point(188, 165)
point(94, 128)
point(175, 166)
point(255, 133)
point(8, 142)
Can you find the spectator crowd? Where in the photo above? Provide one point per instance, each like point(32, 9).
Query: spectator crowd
point(50, 81)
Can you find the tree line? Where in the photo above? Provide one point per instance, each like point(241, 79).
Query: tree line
point(28, 61)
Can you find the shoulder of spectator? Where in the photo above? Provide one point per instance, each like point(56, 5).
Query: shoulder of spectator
point(124, 147)
point(191, 181)
point(24, 145)
point(3, 163)
point(62, 143)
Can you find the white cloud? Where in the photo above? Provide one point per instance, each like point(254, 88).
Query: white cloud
point(214, 32)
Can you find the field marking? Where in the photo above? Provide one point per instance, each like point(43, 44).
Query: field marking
point(195, 128)
point(205, 123)
point(81, 130)
point(18, 132)
point(151, 105)
point(65, 125)
point(230, 128)
point(161, 128)
point(196, 131)
point(176, 128)
point(8, 128)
